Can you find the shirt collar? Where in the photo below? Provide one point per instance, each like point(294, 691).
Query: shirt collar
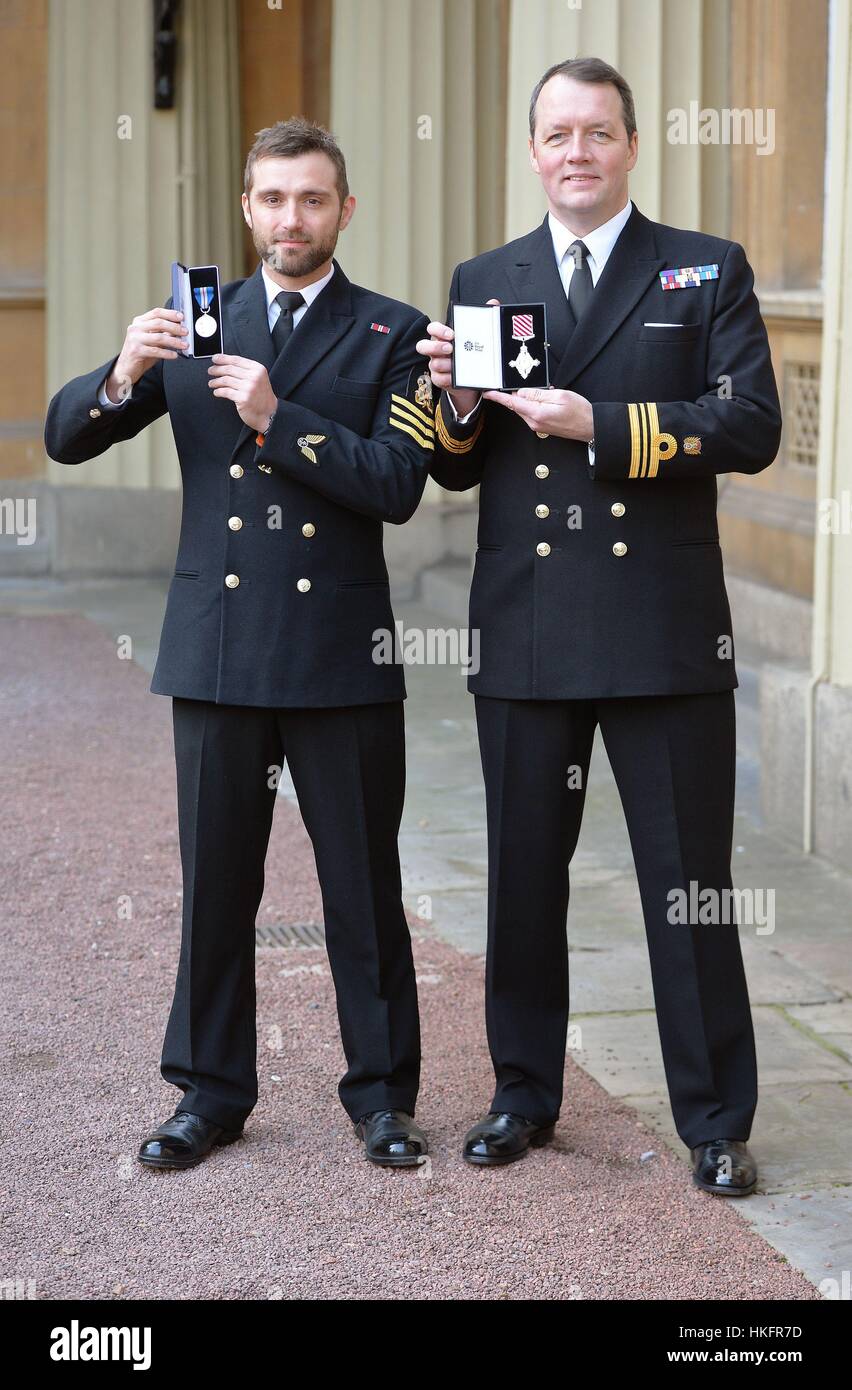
point(308, 292)
point(599, 242)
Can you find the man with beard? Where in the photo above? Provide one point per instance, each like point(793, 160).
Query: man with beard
point(295, 445)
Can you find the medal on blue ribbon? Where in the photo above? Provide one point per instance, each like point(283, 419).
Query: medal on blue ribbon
point(205, 324)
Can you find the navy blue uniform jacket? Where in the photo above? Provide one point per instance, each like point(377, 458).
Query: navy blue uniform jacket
point(296, 521)
point(606, 579)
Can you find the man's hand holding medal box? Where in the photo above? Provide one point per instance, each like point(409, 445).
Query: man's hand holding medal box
point(195, 292)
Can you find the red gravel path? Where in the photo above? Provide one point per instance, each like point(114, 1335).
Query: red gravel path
point(293, 1210)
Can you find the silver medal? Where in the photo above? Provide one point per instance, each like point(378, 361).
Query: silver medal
point(205, 324)
point(522, 332)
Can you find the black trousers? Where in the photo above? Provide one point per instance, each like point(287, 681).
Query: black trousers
point(674, 761)
point(348, 769)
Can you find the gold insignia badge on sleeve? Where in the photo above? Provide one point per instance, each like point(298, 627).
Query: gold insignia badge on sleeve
point(423, 394)
point(305, 441)
point(692, 444)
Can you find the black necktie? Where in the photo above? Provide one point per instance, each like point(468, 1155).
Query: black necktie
point(580, 286)
point(283, 327)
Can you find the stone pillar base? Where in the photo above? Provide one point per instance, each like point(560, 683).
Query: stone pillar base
point(783, 722)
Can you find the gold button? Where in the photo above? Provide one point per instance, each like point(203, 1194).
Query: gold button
point(617, 509)
point(236, 470)
point(542, 548)
point(542, 435)
point(303, 585)
point(542, 511)
point(235, 522)
point(309, 529)
point(94, 413)
point(619, 548)
point(541, 470)
point(232, 580)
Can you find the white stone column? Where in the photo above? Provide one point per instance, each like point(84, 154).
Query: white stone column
point(832, 647)
point(120, 210)
point(406, 80)
point(828, 720)
point(415, 106)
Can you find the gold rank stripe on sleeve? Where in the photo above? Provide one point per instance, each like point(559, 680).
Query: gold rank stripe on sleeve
point(407, 421)
point(409, 429)
point(648, 445)
point(417, 413)
point(633, 417)
point(456, 446)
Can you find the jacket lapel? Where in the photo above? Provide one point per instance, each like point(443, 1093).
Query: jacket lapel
point(630, 269)
point(321, 326)
point(534, 277)
point(249, 322)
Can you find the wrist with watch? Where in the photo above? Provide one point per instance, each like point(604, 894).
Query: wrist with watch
point(261, 436)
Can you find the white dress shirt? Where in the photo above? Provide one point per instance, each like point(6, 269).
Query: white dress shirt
point(308, 293)
point(599, 244)
point(273, 310)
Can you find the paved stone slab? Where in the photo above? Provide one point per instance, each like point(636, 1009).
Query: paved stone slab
point(813, 1230)
point(833, 1023)
point(435, 862)
point(622, 1051)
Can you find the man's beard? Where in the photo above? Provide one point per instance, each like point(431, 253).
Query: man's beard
point(293, 261)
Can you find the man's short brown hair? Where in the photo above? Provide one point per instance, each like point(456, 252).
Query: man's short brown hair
point(286, 139)
point(588, 70)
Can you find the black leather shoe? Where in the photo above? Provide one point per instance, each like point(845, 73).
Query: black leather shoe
point(183, 1140)
point(724, 1166)
point(391, 1138)
point(502, 1137)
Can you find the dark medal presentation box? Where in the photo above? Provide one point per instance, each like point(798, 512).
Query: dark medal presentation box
point(500, 347)
point(195, 291)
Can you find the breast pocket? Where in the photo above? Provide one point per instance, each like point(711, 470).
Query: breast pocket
point(673, 335)
point(350, 386)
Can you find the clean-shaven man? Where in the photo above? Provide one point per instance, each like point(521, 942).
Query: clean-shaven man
point(599, 597)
